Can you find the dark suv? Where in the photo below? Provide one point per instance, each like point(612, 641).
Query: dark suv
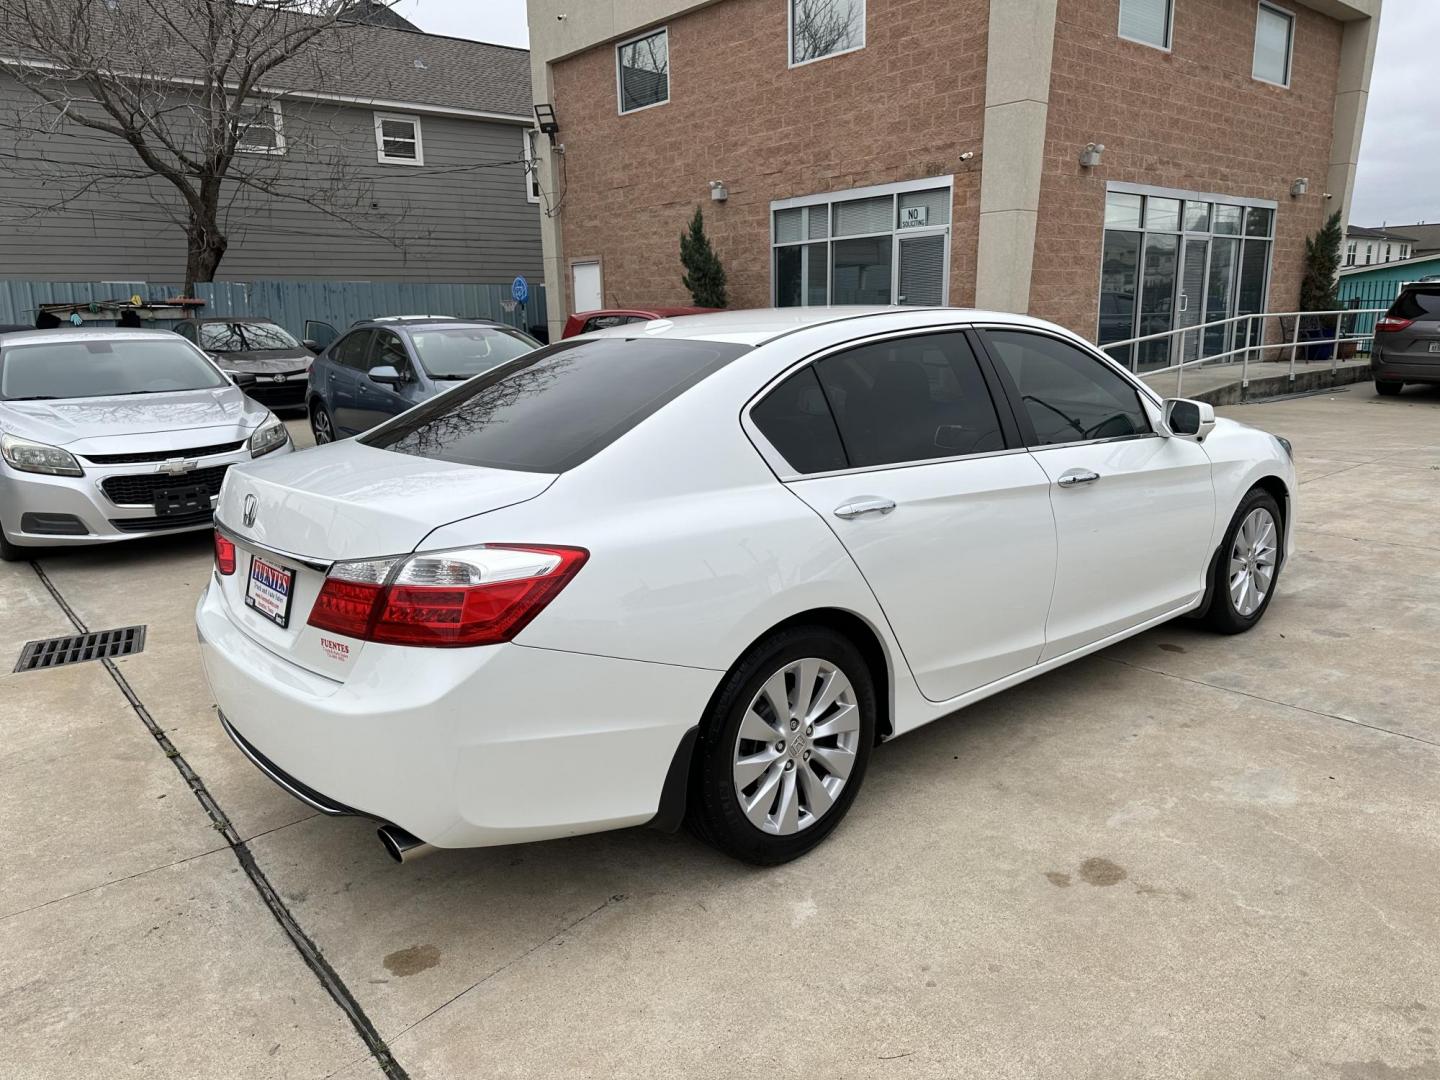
point(1407, 340)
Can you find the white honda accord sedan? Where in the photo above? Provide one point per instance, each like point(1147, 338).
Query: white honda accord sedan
point(693, 570)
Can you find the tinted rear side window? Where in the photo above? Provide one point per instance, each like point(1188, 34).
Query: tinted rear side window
point(1417, 304)
point(552, 409)
point(796, 420)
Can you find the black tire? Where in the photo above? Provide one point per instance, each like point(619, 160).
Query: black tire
point(1223, 616)
point(318, 411)
point(715, 813)
point(1388, 389)
point(9, 552)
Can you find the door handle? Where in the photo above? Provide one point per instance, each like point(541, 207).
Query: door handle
point(866, 504)
point(1074, 477)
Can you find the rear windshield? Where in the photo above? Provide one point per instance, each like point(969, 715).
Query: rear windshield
point(245, 337)
point(76, 369)
point(461, 353)
point(552, 409)
point(1417, 303)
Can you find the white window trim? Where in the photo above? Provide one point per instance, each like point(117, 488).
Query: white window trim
point(790, 37)
point(1289, 44)
point(532, 163)
point(278, 126)
point(385, 159)
point(1169, 30)
point(654, 31)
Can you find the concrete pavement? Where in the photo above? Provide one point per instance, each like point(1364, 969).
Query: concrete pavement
point(1185, 856)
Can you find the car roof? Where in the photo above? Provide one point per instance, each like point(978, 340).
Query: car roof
point(645, 309)
point(230, 319)
point(428, 323)
point(99, 333)
point(759, 325)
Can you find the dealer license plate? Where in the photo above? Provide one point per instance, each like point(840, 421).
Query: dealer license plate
point(270, 590)
point(1435, 346)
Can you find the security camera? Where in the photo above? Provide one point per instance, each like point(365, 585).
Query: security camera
point(967, 155)
point(1328, 196)
point(560, 17)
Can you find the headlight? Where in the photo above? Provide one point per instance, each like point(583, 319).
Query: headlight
point(271, 435)
point(36, 457)
point(1285, 445)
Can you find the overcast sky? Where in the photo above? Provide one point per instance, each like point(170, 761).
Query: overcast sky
point(1399, 179)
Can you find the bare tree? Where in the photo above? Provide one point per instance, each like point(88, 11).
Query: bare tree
point(182, 93)
point(822, 27)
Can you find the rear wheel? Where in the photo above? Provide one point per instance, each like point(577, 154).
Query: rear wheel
point(784, 746)
point(321, 425)
point(1388, 389)
point(1247, 565)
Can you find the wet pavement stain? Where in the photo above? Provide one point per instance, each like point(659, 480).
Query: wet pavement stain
point(413, 960)
point(1101, 872)
point(1056, 878)
point(1172, 648)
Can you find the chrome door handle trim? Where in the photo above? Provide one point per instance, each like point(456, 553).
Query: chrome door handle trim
point(1077, 476)
point(865, 505)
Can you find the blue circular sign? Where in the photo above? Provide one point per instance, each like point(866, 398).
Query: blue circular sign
point(520, 290)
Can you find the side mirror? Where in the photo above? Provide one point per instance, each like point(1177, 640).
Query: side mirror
point(387, 375)
point(1186, 419)
point(313, 345)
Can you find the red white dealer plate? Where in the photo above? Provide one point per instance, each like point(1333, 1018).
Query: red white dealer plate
point(269, 591)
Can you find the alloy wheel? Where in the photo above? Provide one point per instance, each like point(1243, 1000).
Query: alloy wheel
point(320, 424)
point(796, 746)
point(1252, 561)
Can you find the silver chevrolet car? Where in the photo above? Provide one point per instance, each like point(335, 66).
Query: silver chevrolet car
point(108, 435)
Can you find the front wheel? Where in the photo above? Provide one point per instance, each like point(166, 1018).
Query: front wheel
point(9, 552)
point(1247, 566)
point(784, 746)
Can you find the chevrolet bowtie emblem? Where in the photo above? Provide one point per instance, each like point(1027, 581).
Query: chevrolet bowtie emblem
point(177, 466)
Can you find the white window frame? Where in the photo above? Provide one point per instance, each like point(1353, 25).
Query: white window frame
point(1275, 9)
point(386, 159)
point(531, 154)
point(278, 126)
point(1169, 29)
point(654, 31)
point(790, 37)
point(1350, 251)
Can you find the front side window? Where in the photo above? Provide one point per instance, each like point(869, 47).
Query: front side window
point(397, 139)
point(352, 349)
point(554, 408)
point(910, 399)
point(1069, 395)
point(644, 71)
point(820, 28)
point(463, 353)
point(1274, 38)
point(1147, 21)
point(82, 369)
point(388, 351)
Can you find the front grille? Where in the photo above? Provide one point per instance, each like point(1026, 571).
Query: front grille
point(163, 455)
point(55, 652)
point(138, 489)
point(157, 524)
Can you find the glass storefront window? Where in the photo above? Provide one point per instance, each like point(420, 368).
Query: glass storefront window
point(1197, 217)
point(1162, 215)
point(1122, 210)
point(1157, 297)
point(860, 271)
point(1228, 219)
point(788, 276)
point(1257, 221)
point(1119, 287)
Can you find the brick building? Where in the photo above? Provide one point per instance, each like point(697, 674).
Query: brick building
point(947, 151)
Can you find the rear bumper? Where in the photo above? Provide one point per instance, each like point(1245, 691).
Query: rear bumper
point(1406, 367)
point(462, 747)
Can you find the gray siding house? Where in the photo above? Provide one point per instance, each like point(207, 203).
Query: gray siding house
point(403, 158)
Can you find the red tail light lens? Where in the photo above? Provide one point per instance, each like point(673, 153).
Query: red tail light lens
point(224, 555)
point(1392, 323)
point(477, 596)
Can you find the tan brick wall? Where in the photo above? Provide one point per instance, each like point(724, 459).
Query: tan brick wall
point(1192, 119)
point(904, 107)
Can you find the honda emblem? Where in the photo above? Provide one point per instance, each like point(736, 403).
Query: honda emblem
point(252, 508)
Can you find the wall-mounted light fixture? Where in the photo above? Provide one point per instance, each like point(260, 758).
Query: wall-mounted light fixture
point(718, 191)
point(1299, 187)
point(546, 122)
point(1090, 156)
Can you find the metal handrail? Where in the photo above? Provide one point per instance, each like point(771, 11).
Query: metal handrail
point(1245, 350)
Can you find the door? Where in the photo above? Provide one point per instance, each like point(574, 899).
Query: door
point(921, 272)
point(376, 402)
point(346, 376)
point(1190, 305)
point(946, 518)
point(1133, 510)
point(318, 334)
point(588, 293)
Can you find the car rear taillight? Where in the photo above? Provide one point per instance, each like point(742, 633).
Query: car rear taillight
point(1389, 324)
point(444, 599)
point(224, 554)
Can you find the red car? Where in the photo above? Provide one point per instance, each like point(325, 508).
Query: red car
point(583, 322)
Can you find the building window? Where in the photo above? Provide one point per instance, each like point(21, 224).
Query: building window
point(1274, 39)
point(1368, 251)
point(1147, 21)
point(880, 245)
point(821, 28)
point(1175, 259)
point(530, 149)
point(1387, 252)
point(397, 139)
point(261, 128)
point(643, 71)
point(1350, 253)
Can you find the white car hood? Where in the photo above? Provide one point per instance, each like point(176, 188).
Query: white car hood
point(351, 501)
point(113, 425)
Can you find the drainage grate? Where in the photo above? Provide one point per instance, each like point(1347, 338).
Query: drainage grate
point(53, 652)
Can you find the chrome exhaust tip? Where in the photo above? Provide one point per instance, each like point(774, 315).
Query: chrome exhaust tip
point(400, 845)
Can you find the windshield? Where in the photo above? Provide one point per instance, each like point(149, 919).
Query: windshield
point(245, 337)
point(553, 408)
point(461, 353)
point(76, 369)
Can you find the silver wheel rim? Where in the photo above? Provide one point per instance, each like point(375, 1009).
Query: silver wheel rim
point(796, 746)
point(321, 424)
point(1252, 561)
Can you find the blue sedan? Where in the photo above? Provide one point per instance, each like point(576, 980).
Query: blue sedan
point(381, 368)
